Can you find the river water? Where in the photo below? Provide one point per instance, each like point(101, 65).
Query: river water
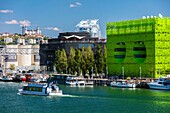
point(97, 99)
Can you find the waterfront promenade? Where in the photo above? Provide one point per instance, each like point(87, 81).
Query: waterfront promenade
point(97, 80)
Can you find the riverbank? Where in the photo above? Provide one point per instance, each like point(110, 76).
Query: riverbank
point(61, 79)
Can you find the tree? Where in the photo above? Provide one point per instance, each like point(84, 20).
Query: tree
point(99, 59)
point(95, 69)
point(12, 67)
point(105, 60)
point(83, 62)
point(77, 61)
point(57, 62)
point(90, 60)
point(63, 60)
point(71, 60)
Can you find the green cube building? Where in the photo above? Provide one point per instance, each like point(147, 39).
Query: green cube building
point(139, 48)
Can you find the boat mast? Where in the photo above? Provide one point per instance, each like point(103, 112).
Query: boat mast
point(123, 72)
point(140, 71)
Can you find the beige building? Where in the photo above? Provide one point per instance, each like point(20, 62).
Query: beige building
point(24, 57)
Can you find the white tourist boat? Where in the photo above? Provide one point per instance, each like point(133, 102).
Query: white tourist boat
point(43, 89)
point(123, 84)
point(71, 81)
point(77, 81)
point(162, 83)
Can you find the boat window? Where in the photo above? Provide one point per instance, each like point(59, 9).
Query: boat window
point(159, 82)
point(30, 88)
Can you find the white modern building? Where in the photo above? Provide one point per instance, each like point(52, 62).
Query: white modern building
point(91, 26)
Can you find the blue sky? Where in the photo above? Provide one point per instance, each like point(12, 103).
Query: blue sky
point(54, 16)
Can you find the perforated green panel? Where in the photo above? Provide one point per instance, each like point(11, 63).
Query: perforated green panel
point(146, 47)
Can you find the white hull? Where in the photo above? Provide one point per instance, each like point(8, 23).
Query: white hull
point(31, 93)
point(127, 86)
point(70, 83)
point(40, 93)
point(159, 86)
point(40, 89)
point(89, 83)
point(81, 83)
point(122, 85)
point(113, 84)
point(74, 81)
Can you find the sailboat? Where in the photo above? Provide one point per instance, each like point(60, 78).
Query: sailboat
point(123, 83)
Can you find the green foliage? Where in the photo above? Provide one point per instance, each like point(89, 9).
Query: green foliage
point(90, 59)
point(80, 60)
point(12, 67)
point(77, 61)
point(57, 61)
point(63, 60)
point(45, 38)
point(71, 60)
point(105, 60)
point(99, 59)
point(2, 43)
point(83, 65)
point(95, 70)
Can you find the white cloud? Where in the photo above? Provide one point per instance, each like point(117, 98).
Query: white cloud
point(6, 11)
point(11, 22)
point(25, 23)
point(22, 23)
point(75, 4)
point(78, 3)
point(53, 28)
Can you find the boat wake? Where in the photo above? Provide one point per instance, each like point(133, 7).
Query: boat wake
point(64, 95)
point(19, 94)
point(77, 96)
point(67, 95)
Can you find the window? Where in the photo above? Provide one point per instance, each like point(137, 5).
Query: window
point(139, 49)
point(119, 56)
point(120, 49)
point(140, 55)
